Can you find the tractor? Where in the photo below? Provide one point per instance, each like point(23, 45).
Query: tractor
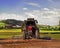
point(30, 29)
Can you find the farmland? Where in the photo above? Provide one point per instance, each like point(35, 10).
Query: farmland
point(33, 43)
point(45, 30)
point(12, 37)
point(9, 33)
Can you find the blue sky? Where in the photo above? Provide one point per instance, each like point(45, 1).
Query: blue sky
point(10, 6)
point(41, 10)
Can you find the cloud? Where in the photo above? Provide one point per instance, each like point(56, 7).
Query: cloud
point(46, 9)
point(33, 4)
point(29, 15)
point(25, 8)
point(11, 16)
point(49, 17)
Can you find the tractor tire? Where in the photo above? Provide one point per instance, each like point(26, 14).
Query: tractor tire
point(24, 35)
point(37, 34)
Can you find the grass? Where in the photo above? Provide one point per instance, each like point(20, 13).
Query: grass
point(19, 30)
point(53, 36)
point(10, 30)
point(50, 31)
point(9, 33)
point(2, 24)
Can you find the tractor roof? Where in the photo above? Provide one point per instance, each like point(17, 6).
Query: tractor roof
point(30, 19)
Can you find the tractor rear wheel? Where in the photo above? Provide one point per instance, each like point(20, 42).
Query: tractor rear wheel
point(24, 35)
point(37, 34)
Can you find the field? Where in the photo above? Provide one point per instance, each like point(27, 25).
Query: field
point(11, 38)
point(10, 33)
point(32, 43)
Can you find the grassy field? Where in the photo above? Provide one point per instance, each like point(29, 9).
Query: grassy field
point(19, 30)
point(53, 36)
point(45, 31)
point(10, 33)
point(10, 30)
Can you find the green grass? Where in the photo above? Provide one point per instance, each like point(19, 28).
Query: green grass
point(53, 36)
point(50, 31)
point(2, 24)
point(9, 33)
point(19, 30)
point(10, 30)
point(50, 34)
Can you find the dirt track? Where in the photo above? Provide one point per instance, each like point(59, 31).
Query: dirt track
point(33, 43)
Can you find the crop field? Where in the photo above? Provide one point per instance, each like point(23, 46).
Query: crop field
point(12, 38)
point(10, 33)
point(10, 30)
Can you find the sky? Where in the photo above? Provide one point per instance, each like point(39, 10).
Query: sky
point(47, 12)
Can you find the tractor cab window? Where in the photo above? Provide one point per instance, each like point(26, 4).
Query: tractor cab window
point(30, 23)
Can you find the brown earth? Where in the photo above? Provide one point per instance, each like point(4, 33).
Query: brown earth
point(30, 43)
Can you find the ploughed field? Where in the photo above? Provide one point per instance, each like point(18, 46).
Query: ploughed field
point(11, 39)
point(29, 43)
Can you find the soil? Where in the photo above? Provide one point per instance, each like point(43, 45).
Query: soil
point(29, 43)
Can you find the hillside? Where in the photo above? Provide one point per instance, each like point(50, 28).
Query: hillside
point(10, 23)
point(13, 22)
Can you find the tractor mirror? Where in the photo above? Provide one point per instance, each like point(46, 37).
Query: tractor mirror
point(36, 21)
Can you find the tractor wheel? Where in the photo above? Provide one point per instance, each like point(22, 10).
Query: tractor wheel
point(37, 34)
point(24, 35)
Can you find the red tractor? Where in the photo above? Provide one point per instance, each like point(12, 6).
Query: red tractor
point(30, 29)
